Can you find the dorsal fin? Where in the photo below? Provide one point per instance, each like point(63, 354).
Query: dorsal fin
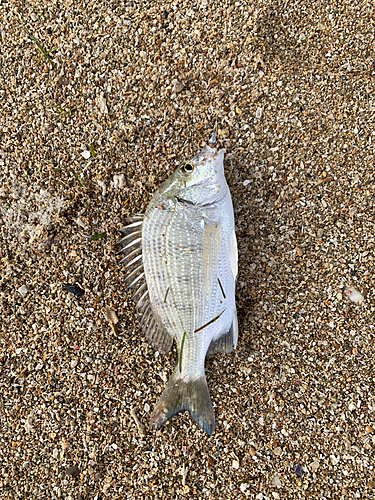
point(156, 335)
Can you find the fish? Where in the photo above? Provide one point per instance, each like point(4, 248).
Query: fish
point(182, 260)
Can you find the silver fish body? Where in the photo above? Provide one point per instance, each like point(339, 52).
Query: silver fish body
point(188, 253)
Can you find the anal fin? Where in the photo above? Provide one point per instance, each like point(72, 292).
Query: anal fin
point(227, 341)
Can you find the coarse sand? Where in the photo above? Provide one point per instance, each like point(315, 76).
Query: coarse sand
point(100, 101)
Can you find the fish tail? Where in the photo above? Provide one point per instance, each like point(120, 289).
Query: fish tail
point(184, 394)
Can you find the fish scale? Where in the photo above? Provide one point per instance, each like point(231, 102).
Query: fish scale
point(186, 279)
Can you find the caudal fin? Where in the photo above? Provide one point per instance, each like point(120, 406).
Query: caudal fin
point(191, 395)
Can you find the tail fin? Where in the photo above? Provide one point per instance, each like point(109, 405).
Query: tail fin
point(191, 395)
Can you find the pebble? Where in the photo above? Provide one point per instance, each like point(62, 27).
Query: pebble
point(86, 154)
point(298, 470)
point(314, 466)
point(275, 480)
point(102, 104)
point(355, 296)
point(177, 87)
point(23, 290)
point(73, 471)
point(119, 181)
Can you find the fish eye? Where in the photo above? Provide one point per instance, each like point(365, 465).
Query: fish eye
point(187, 168)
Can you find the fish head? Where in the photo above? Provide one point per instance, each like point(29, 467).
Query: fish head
point(200, 181)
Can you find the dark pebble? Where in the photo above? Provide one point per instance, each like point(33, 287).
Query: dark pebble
point(75, 290)
point(73, 471)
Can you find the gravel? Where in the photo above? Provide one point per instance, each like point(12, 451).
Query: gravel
point(100, 102)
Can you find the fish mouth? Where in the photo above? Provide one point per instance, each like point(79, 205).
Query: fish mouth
point(216, 194)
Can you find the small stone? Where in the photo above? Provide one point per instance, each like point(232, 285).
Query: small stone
point(114, 446)
point(110, 316)
point(73, 471)
point(63, 81)
point(320, 232)
point(334, 460)
point(74, 290)
point(314, 466)
point(73, 363)
point(118, 181)
point(351, 407)
point(102, 104)
point(276, 495)
point(243, 487)
point(176, 86)
point(23, 290)
point(55, 453)
point(252, 451)
point(86, 154)
point(146, 407)
point(235, 464)
point(275, 481)
point(245, 183)
point(355, 296)
point(299, 251)
point(352, 211)
point(369, 429)
point(258, 113)
point(277, 451)
point(298, 470)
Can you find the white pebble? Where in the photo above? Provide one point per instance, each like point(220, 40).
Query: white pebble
point(245, 183)
point(146, 407)
point(23, 290)
point(73, 363)
point(335, 460)
point(351, 407)
point(102, 105)
point(55, 453)
point(276, 480)
point(258, 113)
point(235, 464)
point(355, 296)
point(243, 487)
point(103, 186)
point(86, 154)
point(114, 446)
point(118, 181)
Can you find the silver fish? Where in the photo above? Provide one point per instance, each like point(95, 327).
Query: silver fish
point(182, 255)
